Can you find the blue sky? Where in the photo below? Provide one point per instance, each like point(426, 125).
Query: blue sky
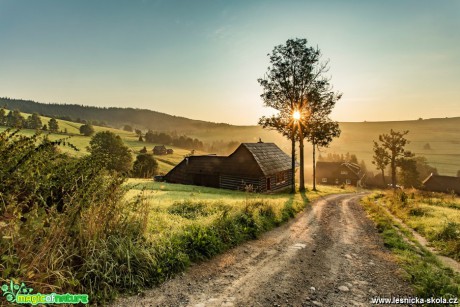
point(392, 60)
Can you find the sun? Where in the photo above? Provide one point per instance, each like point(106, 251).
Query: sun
point(296, 115)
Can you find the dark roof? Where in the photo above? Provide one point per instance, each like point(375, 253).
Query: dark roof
point(159, 147)
point(330, 167)
point(271, 158)
point(442, 183)
point(203, 164)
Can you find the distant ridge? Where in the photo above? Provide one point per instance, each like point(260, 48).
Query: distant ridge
point(114, 116)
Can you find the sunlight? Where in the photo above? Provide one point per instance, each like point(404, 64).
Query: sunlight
point(296, 115)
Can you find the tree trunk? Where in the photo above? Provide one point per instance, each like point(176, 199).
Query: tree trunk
point(302, 166)
point(314, 167)
point(293, 161)
point(393, 173)
point(383, 177)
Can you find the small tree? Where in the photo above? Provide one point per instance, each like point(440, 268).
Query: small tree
point(45, 127)
point(86, 130)
point(145, 166)
point(34, 121)
point(15, 119)
point(394, 144)
point(53, 125)
point(408, 176)
point(143, 150)
point(381, 159)
point(108, 149)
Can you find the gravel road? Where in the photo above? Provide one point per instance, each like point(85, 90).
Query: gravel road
point(329, 255)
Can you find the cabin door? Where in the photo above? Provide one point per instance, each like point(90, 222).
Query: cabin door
point(269, 187)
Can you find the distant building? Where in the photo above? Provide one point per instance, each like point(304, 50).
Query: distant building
point(160, 150)
point(263, 165)
point(444, 184)
point(169, 151)
point(337, 173)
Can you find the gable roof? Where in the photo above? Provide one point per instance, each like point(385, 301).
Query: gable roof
point(442, 183)
point(270, 158)
point(159, 147)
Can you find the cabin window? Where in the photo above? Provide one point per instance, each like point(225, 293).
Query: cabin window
point(344, 172)
point(348, 181)
point(324, 180)
point(281, 177)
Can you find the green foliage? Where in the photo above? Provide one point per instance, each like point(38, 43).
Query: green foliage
point(53, 125)
point(14, 119)
point(87, 130)
point(145, 166)
point(108, 149)
point(33, 121)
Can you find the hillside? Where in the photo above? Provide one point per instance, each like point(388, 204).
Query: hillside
point(442, 134)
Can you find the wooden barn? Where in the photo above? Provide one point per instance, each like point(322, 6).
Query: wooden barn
point(263, 165)
point(335, 173)
point(444, 184)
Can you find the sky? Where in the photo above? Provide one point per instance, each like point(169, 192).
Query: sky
point(392, 60)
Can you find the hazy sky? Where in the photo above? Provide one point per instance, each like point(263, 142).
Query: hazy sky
point(201, 59)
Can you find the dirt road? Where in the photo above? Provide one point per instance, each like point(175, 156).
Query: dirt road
point(330, 255)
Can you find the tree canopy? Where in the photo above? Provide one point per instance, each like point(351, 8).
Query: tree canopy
point(109, 149)
point(295, 83)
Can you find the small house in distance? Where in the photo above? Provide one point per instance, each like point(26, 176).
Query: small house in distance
point(335, 173)
point(444, 184)
point(263, 165)
point(160, 150)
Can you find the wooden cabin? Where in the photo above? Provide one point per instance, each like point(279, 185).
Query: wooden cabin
point(263, 165)
point(337, 173)
point(444, 184)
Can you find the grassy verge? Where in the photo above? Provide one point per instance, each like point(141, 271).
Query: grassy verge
point(435, 216)
point(428, 277)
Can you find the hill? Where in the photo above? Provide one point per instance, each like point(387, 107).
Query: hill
point(441, 134)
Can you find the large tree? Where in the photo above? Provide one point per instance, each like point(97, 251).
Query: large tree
point(394, 144)
point(294, 75)
point(108, 149)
